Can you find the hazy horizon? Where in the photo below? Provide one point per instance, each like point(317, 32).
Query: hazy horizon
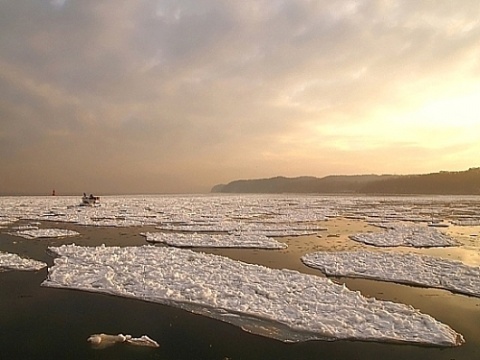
point(155, 97)
point(66, 192)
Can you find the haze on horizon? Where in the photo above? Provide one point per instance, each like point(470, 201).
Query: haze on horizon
point(177, 96)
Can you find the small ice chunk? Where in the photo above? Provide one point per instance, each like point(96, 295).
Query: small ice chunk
point(45, 233)
point(144, 340)
point(102, 340)
point(6, 220)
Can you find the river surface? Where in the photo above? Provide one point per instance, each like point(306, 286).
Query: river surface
point(47, 323)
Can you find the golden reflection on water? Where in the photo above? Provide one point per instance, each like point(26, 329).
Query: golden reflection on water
point(468, 252)
point(459, 311)
point(336, 238)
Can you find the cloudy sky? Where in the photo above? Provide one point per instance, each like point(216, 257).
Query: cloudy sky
point(152, 96)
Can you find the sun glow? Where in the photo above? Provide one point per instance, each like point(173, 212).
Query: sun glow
point(452, 112)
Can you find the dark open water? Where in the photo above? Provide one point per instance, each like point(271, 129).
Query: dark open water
point(47, 323)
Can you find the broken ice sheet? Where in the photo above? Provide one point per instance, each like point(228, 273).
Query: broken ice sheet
point(9, 261)
point(413, 269)
point(298, 306)
point(214, 240)
point(399, 234)
point(6, 220)
point(45, 233)
point(252, 228)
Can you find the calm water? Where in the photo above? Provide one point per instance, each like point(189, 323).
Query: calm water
point(48, 323)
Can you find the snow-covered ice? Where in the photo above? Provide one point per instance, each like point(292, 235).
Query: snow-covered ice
point(401, 234)
point(282, 215)
point(269, 215)
point(105, 340)
point(9, 261)
point(413, 269)
point(467, 222)
point(214, 240)
point(5, 220)
point(254, 228)
point(311, 307)
point(143, 340)
point(45, 233)
point(249, 216)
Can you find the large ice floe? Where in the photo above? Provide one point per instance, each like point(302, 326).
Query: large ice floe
point(284, 304)
point(401, 234)
point(214, 240)
point(422, 270)
point(9, 261)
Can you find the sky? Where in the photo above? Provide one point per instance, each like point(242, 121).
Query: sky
point(176, 96)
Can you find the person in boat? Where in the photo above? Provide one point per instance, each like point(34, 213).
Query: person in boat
point(94, 198)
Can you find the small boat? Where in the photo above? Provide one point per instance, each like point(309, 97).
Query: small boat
point(89, 200)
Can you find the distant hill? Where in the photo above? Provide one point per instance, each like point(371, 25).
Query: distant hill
point(304, 184)
point(442, 183)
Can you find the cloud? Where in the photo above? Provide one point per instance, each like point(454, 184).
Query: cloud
point(156, 91)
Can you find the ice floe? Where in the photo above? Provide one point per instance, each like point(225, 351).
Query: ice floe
point(401, 234)
point(214, 240)
point(9, 261)
point(5, 220)
point(310, 307)
point(466, 222)
point(32, 226)
point(44, 233)
point(252, 228)
point(413, 269)
point(101, 341)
